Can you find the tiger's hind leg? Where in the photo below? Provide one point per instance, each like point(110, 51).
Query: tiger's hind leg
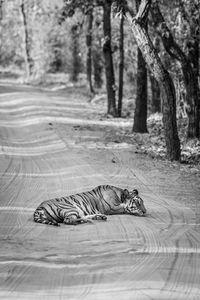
point(74, 220)
point(40, 217)
point(97, 216)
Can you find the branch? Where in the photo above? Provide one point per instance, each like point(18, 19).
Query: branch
point(121, 7)
point(143, 11)
point(164, 32)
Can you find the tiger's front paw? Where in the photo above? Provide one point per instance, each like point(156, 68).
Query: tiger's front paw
point(104, 218)
point(72, 220)
point(100, 217)
point(68, 221)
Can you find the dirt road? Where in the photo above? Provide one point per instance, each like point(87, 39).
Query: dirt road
point(52, 145)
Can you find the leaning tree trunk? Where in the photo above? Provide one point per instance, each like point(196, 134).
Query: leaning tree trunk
point(152, 59)
point(140, 116)
point(28, 59)
point(121, 66)
point(89, 49)
point(107, 51)
point(190, 78)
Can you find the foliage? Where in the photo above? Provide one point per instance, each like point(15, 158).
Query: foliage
point(71, 6)
point(51, 39)
point(11, 40)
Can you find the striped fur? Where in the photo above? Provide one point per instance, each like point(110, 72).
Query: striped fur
point(91, 205)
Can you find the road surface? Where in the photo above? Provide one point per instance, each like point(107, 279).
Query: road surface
point(51, 146)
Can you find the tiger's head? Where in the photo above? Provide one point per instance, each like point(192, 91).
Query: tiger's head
point(133, 204)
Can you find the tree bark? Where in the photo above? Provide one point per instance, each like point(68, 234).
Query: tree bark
point(97, 55)
point(155, 94)
point(152, 59)
point(193, 57)
point(155, 90)
point(121, 66)
point(190, 78)
point(1, 9)
point(89, 49)
point(76, 60)
point(140, 116)
point(98, 68)
point(28, 59)
point(108, 60)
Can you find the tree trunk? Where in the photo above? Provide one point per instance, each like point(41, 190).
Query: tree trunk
point(155, 94)
point(121, 66)
point(155, 90)
point(28, 59)
point(89, 49)
point(97, 55)
point(140, 116)
point(107, 51)
point(98, 68)
point(193, 57)
point(190, 78)
point(1, 9)
point(76, 60)
point(152, 59)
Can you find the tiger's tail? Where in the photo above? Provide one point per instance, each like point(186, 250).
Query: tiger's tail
point(39, 217)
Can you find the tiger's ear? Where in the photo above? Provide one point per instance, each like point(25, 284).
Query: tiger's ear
point(135, 192)
point(124, 195)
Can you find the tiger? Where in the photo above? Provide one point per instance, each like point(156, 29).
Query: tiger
point(84, 207)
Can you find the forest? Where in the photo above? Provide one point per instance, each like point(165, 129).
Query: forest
point(142, 56)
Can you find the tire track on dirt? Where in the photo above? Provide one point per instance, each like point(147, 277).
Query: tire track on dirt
point(179, 263)
point(149, 240)
point(172, 282)
point(21, 230)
